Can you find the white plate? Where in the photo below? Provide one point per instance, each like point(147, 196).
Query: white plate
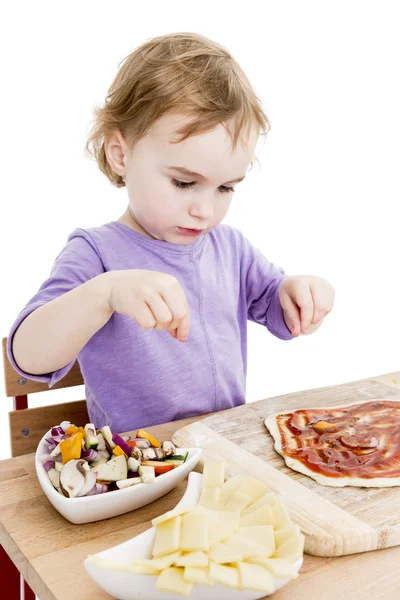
point(130, 586)
point(110, 504)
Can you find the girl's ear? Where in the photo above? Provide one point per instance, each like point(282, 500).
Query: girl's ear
point(115, 149)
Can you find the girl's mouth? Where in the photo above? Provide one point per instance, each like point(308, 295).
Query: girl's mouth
point(189, 232)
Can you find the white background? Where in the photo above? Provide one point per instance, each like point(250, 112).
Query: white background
point(324, 200)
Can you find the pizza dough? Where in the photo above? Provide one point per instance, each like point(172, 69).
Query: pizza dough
point(356, 444)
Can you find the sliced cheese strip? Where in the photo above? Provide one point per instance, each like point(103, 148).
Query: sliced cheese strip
point(280, 516)
point(198, 575)
point(167, 537)
point(221, 553)
point(277, 566)
point(269, 499)
point(256, 577)
point(230, 487)
point(218, 532)
point(225, 575)
point(262, 535)
point(245, 548)
point(238, 502)
point(192, 559)
point(231, 518)
point(292, 549)
point(172, 513)
point(253, 488)
point(281, 535)
point(143, 570)
point(261, 516)
point(194, 532)
point(213, 474)
point(210, 497)
point(221, 525)
point(158, 563)
point(172, 580)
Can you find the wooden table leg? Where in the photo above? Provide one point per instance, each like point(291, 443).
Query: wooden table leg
point(12, 582)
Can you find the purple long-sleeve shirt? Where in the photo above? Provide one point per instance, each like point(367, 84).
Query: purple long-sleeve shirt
point(135, 378)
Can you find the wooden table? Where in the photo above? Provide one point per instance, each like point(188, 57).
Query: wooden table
point(49, 551)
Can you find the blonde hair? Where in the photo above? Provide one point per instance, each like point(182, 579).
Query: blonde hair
point(182, 73)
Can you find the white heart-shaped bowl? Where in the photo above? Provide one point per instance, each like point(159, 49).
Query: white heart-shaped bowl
point(110, 504)
point(103, 566)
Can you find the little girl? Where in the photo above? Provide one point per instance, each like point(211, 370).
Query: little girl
point(178, 129)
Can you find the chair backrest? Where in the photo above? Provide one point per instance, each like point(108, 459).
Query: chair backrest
point(28, 425)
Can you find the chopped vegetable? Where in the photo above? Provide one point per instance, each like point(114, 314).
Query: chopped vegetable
point(118, 451)
point(101, 442)
point(141, 443)
point(72, 478)
point(148, 454)
point(90, 455)
point(159, 467)
point(56, 451)
point(124, 483)
point(168, 448)
point(118, 441)
point(143, 434)
point(90, 480)
point(133, 464)
point(74, 429)
point(49, 464)
point(64, 425)
point(106, 431)
point(113, 470)
point(54, 477)
point(71, 447)
point(147, 474)
point(90, 437)
point(174, 460)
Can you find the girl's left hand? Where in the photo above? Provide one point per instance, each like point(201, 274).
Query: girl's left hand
point(306, 300)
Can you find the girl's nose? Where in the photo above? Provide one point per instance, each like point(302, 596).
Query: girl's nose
point(202, 209)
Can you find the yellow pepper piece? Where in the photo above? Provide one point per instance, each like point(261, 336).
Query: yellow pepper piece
point(144, 435)
point(71, 447)
point(74, 429)
point(323, 425)
point(118, 452)
point(71, 430)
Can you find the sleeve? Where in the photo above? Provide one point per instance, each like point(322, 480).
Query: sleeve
point(77, 262)
point(262, 283)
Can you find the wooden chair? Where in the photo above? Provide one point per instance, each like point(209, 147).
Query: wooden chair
point(27, 427)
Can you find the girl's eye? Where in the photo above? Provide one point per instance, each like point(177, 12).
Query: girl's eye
point(184, 185)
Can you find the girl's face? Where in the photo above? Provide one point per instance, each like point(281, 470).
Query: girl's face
point(178, 192)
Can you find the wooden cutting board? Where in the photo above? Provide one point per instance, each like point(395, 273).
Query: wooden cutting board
point(335, 521)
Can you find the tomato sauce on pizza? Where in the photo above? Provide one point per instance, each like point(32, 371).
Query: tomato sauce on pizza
point(358, 441)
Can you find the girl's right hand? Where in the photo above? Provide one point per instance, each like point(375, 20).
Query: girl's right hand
point(155, 300)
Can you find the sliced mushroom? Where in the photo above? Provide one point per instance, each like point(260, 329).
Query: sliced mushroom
point(148, 454)
point(90, 480)
point(159, 453)
point(168, 448)
point(136, 453)
point(54, 476)
point(72, 477)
